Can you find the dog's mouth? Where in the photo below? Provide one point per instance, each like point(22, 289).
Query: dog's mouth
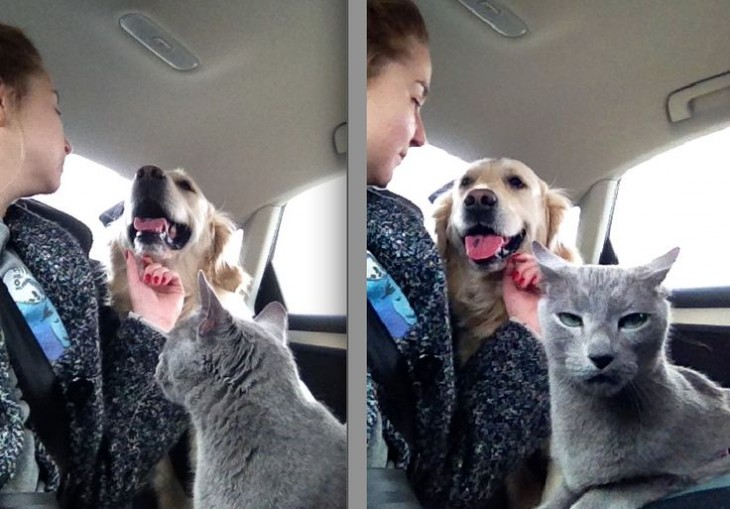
point(484, 246)
point(151, 226)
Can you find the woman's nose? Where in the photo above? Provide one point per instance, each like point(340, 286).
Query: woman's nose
point(68, 148)
point(419, 137)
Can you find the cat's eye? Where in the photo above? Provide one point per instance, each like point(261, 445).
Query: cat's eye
point(570, 320)
point(633, 321)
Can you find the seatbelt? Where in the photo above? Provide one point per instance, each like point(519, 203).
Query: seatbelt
point(389, 370)
point(388, 488)
point(76, 228)
point(37, 381)
point(28, 501)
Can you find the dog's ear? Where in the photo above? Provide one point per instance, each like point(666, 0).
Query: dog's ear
point(441, 214)
point(225, 274)
point(556, 206)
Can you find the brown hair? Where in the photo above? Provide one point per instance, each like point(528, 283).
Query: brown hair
point(393, 26)
point(19, 60)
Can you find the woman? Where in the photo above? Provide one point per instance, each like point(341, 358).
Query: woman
point(119, 423)
point(470, 426)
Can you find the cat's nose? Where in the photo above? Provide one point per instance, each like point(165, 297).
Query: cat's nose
point(601, 361)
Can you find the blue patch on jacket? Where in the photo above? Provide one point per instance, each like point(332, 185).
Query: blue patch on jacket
point(388, 300)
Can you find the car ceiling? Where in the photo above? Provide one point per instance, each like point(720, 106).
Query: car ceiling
point(253, 124)
point(582, 96)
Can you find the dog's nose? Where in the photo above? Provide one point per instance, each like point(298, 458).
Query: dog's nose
point(480, 198)
point(601, 361)
point(149, 171)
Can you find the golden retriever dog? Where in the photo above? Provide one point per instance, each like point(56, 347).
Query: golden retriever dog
point(168, 219)
point(496, 209)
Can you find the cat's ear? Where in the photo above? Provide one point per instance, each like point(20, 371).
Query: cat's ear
point(656, 270)
point(212, 310)
point(550, 264)
point(274, 319)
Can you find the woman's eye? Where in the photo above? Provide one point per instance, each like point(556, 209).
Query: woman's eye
point(516, 183)
point(570, 320)
point(633, 321)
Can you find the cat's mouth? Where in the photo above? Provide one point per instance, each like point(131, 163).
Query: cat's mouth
point(604, 384)
point(486, 248)
point(602, 379)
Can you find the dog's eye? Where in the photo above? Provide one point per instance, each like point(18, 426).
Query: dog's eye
point(516, 183)
point(633, 321)
point(185, 185)
point(465, 181)
point(570, 320)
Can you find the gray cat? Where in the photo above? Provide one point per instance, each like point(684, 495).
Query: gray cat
point(628, 427)
point(261, 443)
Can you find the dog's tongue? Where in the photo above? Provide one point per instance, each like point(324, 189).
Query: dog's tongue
point(481, 247)
point(156, 225)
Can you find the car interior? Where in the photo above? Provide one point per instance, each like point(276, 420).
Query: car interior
point(589, 91)
point(247, 97)
point(250, 99)
point(582, 92)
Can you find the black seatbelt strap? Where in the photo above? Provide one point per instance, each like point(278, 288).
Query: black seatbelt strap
point(28, 501)
point(37, 381)
point(388, 488)
point(389, 369)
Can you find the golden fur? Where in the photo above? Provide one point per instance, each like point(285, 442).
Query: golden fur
point(475, 292)
point(212, 247)
point(211, 233)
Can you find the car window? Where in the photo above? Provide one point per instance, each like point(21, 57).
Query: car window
point(310, 256)
point(678, 198)
point(87, 190)
point(423, 171)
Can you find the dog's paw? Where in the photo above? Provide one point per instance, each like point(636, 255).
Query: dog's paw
point(526, 272)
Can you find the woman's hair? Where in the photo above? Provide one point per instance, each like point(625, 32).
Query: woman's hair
point(393, 26)
point(19, 60)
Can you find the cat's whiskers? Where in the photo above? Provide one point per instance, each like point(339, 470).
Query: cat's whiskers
point(635, 394)
point(560, 378)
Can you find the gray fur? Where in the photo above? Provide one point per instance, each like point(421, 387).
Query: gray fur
point(261, 443)
point(648, 428)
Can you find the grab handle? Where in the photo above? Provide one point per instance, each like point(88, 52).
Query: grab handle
point(678, 103)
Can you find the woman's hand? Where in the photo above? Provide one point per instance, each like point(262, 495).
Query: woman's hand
point(156, 292)
point(521, 290)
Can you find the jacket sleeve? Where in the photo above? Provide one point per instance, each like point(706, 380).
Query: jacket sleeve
point(139, 424)
point(502, 417)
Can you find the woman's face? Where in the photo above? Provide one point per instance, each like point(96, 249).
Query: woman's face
point(41, 143)
point(395, 97)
